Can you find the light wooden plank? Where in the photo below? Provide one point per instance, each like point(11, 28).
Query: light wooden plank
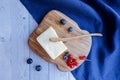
point(5, 66)
point(13, 37)
point(70, 76)
point(35, 75)
point(55, 74)
point(5, 31)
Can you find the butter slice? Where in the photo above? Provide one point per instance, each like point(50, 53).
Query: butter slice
point(54, 49)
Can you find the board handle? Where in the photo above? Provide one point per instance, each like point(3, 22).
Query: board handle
point(74, 38)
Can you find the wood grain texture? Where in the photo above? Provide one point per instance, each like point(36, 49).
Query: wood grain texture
point(13, 41)
point(76, 47)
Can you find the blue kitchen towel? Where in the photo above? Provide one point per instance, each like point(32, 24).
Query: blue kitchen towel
point(94, 16)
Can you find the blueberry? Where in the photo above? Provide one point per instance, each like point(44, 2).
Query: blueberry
point(70, 29)
point(65, 57)
point(67, 53)
point(29, 60)
point(38, 67)
point(63, 21)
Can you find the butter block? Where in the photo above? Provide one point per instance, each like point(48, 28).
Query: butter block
point(54, 49)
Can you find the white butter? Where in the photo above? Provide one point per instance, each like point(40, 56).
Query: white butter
point(54, 49)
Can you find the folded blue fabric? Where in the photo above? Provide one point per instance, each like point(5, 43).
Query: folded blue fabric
point(95, 16)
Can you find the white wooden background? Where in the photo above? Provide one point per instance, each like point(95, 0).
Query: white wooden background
point(16, 24)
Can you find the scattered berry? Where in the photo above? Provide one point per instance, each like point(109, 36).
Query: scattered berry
point(63, 21)
point(38, 67)
point(76, 64)
point(65, 57)
point(29, 60)
point(72, 62)
point(82, 57)
point(67, 53)
point(70, 29)
point(71, 66)
point(70, 56)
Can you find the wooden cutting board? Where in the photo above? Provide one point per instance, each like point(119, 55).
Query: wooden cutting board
point(75, 47)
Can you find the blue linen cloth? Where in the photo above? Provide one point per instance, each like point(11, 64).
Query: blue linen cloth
point(94, 16)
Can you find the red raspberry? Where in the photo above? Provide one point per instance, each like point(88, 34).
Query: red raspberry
point(71, 66)
point(82, 57)
point(71, 62)
point(70, 56)
point(75, 63)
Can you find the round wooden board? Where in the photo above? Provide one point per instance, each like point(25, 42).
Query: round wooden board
point(75, 47)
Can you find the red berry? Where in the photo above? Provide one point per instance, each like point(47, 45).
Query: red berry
point(73, 60)
point(71, 66)
point(76, 64)
point(82, 57)
point(70, 56)
point(69, 62)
